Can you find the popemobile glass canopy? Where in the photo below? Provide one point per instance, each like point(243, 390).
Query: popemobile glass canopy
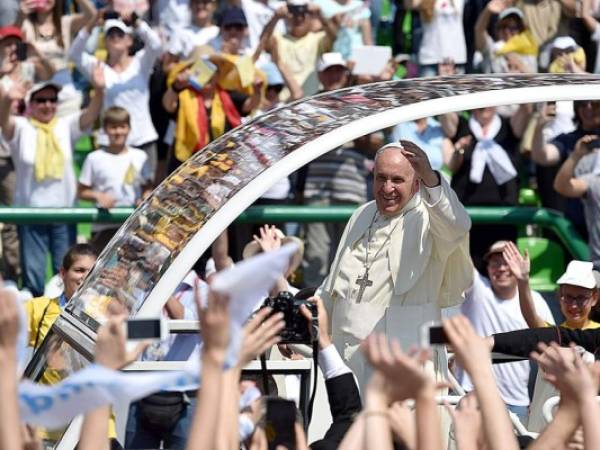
point(161, 240)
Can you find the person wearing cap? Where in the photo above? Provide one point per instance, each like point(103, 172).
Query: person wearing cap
point(300, 48)
point(577, 292)
point(492, 304)
point(127, 77)
point(42, 151)
point(566, 56)
point(13, 68)
point(233, 37)
point(401, 258)
point(513, 47)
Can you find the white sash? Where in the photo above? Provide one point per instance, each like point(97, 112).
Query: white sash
point(489, 153)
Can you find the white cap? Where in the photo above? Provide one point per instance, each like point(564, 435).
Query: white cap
point(328, 60)
point(564, 42)
point(297, 2)
point(511, 11)
point(116, 23)
point(579, 273)
point(42, 85)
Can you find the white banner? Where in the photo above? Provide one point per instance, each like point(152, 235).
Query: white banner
point(54, 406)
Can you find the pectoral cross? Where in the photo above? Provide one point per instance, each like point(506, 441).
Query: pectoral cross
point(363, 282)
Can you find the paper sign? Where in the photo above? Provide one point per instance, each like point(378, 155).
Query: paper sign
point(370, 59)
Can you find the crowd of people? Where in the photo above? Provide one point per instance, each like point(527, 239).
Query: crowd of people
point(150, 84)
point(153, 83)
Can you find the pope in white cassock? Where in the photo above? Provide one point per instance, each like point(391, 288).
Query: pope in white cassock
point(401, 258)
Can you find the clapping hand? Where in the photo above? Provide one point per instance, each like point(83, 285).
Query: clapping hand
point(518, 265)
point(467, 421)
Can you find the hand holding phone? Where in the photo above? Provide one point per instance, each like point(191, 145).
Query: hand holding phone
point(432, 333)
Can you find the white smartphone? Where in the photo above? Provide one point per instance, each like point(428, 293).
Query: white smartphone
point(432, 333)
point(146, 329)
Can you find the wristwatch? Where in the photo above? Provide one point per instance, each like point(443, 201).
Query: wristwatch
point(460, 151)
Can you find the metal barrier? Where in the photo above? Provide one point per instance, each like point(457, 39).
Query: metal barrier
point(292, 213)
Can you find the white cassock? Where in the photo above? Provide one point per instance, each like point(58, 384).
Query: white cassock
point(418, 263)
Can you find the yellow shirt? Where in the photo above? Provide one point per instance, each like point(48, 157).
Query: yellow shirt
point(590, 326)
point(42, 312)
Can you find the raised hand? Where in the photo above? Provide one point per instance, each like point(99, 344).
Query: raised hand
point(269, 239)
point(471, 351)
point(520, 266)
point(214, 324)
point(259, 334)
point(497, 6)
point(110, 345)
point(393, 364)
point(98, 80)
point(564, 369)
point(467, 421)
point(9, 326)
point(420, 163)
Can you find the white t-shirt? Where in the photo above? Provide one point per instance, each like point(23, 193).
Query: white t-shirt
point(128, 89)
point(490, 314)
point(172, 14)
point(444, 36)
point(49, 192)
point(106, 172)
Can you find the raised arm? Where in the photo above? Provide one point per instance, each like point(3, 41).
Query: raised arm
point(473, 354)
point(448, 217)
point(7, 121)
point(543, 153)
point(520, 268)
point(152, 45)
point(214, 330)
point(520, 119)
point(482, 23)
point(83, 60)
point(87, 12)
point(92, 112)
point(10, 437)
point(565, 183)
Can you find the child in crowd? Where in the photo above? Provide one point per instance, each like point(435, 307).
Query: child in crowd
point(115, 175)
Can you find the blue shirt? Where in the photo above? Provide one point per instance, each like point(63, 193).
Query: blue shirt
point(430, 140)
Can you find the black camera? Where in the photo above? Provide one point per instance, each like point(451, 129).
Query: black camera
point(296, 330)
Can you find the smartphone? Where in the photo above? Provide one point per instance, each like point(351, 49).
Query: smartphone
point(432, 333)
point(21, 51)
point(146, 329)
point(280, 423)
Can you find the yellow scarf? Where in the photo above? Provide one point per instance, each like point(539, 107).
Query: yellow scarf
point(49, 160)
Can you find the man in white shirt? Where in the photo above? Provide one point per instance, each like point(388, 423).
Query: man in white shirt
point(492, 306)
point(41, 147)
